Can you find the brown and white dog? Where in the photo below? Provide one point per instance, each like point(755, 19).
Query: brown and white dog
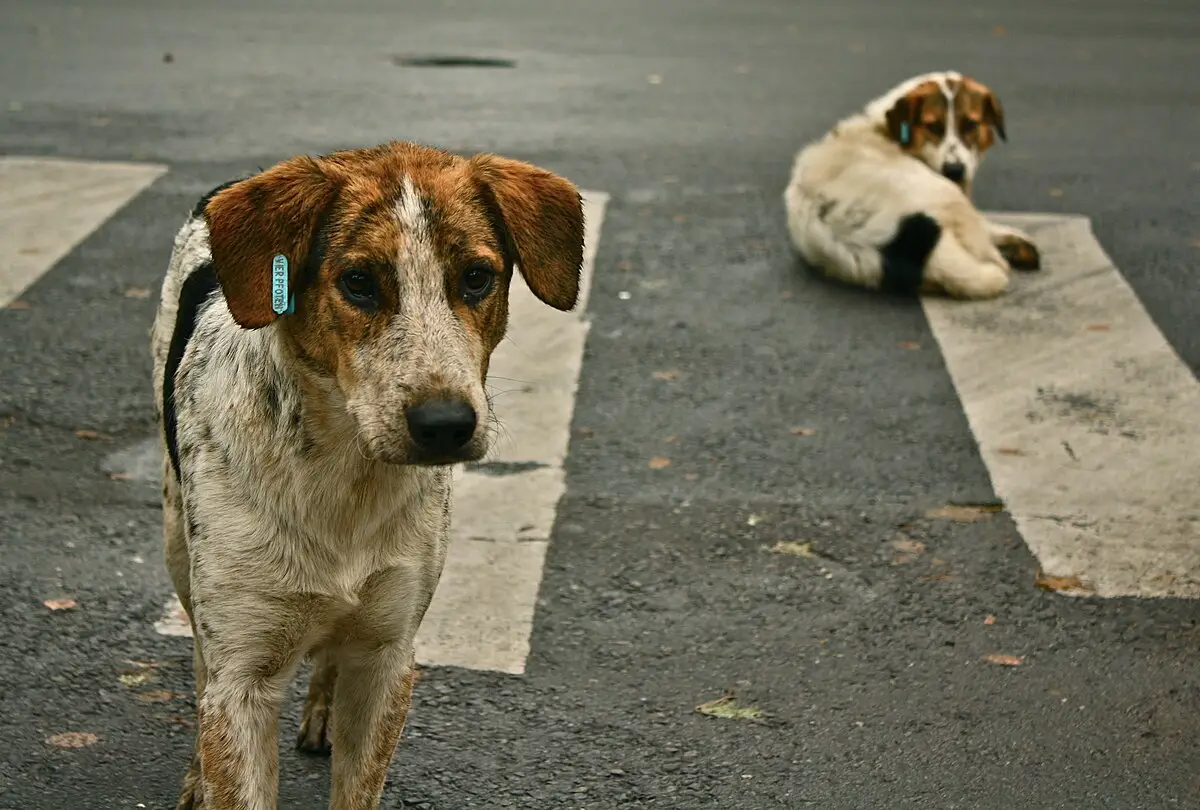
point(884, 199)
point(320, 352)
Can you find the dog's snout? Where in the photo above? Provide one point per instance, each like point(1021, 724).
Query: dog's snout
point(954, 172)
point(441, 426)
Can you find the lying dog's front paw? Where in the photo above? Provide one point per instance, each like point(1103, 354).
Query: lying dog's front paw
point(1021, 254)
point(314, 728)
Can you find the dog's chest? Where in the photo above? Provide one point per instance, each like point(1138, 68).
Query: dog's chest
point(348, 521)
point(321, 524)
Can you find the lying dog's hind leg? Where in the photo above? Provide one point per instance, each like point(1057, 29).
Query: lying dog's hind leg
point(1015, 246)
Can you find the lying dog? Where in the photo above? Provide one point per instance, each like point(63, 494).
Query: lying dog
point(320, 352)
point(884, 199)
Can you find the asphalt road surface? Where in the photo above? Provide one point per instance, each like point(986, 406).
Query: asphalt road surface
point(758, 463)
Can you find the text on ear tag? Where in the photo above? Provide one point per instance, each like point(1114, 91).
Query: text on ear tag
point(281, 299)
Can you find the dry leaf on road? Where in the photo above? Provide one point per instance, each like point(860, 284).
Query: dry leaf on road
point(802, 431)
point(659, 462)
point(1004, 660)
point(60, 604)
point(132, 679)
point(137, 292)
point(72, 739)
point(19, 304)
point(908, 546)
point(792, 548)
point(667, 375)
point(989, 620)
point(964, 513)
point(89, 435)
point(911, 345)
point(157, 696)
point(1056, 584)
point(726, 707)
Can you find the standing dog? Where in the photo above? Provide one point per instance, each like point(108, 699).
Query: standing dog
point(884, 199)
point(320, 352)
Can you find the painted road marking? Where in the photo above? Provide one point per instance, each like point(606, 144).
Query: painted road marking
point(1087, 419)
point(482, 613)
point(48, 206)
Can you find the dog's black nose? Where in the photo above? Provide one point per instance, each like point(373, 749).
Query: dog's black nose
point(441, 426)
point(954, 172)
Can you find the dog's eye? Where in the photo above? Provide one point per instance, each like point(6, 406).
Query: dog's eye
point(968, 126)
point(936, 128)
point(359, 288)
point(477, 281)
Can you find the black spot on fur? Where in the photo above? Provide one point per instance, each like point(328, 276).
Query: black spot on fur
point(198, 209)
point(271, 398)
point(195, 291)
point(904, 257)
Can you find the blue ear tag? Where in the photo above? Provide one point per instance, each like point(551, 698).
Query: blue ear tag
point(904, 133)
point(283, 302)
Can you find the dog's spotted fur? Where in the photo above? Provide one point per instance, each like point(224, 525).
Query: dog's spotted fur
point(884, 199)
point(301, 515)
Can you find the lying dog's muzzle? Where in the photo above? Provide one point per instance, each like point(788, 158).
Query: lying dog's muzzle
point(954, 172)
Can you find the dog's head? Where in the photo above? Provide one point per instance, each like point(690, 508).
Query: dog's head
point(399, 258)
point(947, 121)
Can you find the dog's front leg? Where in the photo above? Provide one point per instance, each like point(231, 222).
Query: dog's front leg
point(251, 645)
point(371, 703)
point(375, 681)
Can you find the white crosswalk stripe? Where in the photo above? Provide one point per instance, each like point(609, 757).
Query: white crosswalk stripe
point(1087, 419)
point(48, 206)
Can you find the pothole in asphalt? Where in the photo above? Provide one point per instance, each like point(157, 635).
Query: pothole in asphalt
point(447, 61)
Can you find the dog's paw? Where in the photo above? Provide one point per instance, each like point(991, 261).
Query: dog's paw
point(314, 729)
point(1020, 253)
point(192, 795)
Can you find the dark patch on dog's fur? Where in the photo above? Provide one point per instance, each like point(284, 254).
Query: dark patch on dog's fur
point(271, 398)
point(904, 257)
point(198, 210)
point(195, 291)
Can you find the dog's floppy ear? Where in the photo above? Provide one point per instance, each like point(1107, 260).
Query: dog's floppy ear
point(993, 114)
point(902, 118)
point(543, 214)
point(275, 213)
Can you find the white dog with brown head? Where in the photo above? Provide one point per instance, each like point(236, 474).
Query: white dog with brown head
point(884, 199)
point(320, 353)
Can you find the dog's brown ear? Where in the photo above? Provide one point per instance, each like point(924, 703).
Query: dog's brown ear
point(544, 216)
point(993, 114)
point(902, 119)
point(275, 213)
